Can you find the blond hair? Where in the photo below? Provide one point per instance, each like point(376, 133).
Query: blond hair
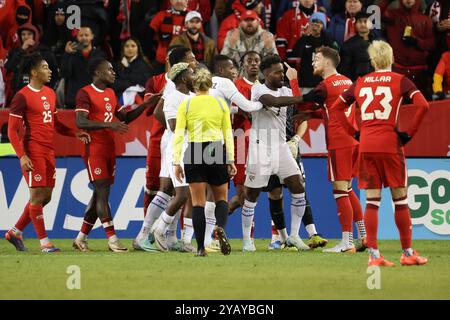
point(381, 54)
point(202, 80)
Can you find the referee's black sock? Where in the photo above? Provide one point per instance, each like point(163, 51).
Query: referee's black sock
point(221, 213)
point(199, 223)
point(308, 217)
point(277, 214)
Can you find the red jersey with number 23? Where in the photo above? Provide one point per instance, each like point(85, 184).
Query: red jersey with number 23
point(101, 106)
point(37, 109)
point(379, 95)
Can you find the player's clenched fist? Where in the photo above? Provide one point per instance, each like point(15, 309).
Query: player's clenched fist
point(120, 127)
point(26, 164)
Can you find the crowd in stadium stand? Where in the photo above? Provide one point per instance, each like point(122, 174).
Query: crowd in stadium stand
point(135, 35)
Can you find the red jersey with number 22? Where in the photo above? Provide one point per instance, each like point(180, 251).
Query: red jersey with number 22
point(101, 106)
point(379, 95)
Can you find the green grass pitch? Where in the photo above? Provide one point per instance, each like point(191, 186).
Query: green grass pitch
point(260, 275)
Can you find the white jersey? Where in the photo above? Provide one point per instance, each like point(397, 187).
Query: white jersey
point(226, 89)
point(269, 123)
point(168, 88)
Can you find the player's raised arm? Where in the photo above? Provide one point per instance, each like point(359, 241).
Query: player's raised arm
point(130, 116)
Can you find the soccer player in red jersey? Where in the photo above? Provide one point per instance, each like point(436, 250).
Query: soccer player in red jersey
point(382, 159)
point(33, 109)
point(342, 149)
point(96, 107)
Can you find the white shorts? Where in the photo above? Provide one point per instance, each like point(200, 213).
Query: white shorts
point(264, 161)
point(164, 173)
point(175, 182)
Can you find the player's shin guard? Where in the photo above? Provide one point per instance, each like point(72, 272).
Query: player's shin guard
point(357, 213)
point(221, 213)
point(199, 222)
point(23, 221)
point(298, 205)
point(403, 221)
point(371, 221)
point(37, 216)
point(248, 212)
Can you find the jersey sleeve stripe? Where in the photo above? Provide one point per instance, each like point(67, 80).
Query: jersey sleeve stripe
point(342, 98)
point(82, 110)
point(413, 93)
point(15, 115)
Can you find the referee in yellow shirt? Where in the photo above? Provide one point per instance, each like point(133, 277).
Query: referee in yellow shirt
point(206, 160)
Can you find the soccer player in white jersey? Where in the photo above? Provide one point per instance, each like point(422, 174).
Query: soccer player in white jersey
point(267, 152)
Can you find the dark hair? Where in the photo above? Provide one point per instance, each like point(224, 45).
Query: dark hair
point(247, 53)
point(29, 62)
point(269, 61)
point(217, 60)
point(177, 54)
point(94, 64)
point(330, 53)
point(140, 53)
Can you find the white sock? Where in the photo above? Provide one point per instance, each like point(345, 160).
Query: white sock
point(81, 236)
point(154, 210)
point(188, 231)
point(347, 238)
point(44, 241)
point(16, 231)
point(172, 229)
point(361, 229)
point(375, 253)
point(113, 238)
point(311, 229)
point(283, 234)
point(210, 216)
point(408, 252)
point(163, 223)
point(248, 212)
point(298, 205)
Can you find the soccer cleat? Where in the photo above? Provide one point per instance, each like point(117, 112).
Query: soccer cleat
point(212, 249)
point(296, 242)
point(316, 241)
point(187, 247)
point(136, 246)
point(116, 246)
point(146, 245)
point(225, 246)
point(248, 246)
point(275, 245)
point(341, 247)
point(80, 245)
point(160, 241)
point(49, 248)
point(380, 262)
point(174, 246)
point(15, 240)
point(360, 244)
point(201, 253)
point(414, 260)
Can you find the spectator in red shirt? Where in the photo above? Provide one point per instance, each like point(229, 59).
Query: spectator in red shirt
point(410, 33)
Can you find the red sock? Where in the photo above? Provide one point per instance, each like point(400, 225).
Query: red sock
point(403, 221)
point(371, 221)
point(88, 224)
point(274, 230)
point(345, 211)
point(356, 206)
point(37, 216)
point(24, 219)
point(109, 227)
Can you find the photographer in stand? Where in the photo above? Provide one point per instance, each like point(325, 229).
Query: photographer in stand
point(74, 64)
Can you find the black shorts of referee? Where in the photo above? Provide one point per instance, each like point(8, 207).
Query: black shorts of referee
point(206, 162)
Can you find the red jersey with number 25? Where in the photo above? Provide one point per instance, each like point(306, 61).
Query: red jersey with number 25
point(379, 95)
point(37, 109)
point(101, 106)
point(330, 89)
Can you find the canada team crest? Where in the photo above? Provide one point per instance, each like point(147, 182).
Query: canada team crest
point(108, 106)
point(46, 105)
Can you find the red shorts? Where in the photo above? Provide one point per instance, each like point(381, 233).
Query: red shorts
point(382, 169)
point(101, 167)
point(153, 165)
point(44, 173)
point(240, 159)
point(343, 164)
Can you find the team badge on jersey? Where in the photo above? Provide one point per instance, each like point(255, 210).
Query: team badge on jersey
point(98, 171)
point(46, 105)
point(108, 106)
point(37, 177)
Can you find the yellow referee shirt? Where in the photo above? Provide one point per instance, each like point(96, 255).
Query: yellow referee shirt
point(206, 119)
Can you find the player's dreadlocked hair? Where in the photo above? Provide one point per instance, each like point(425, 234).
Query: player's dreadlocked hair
point(94, 64)
point(29, 62)
point(269, 61)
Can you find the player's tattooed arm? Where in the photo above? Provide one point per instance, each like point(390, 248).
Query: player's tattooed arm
point(130, 116)
point(84, 123)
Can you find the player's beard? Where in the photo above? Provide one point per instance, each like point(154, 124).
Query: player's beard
point(193, 31)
